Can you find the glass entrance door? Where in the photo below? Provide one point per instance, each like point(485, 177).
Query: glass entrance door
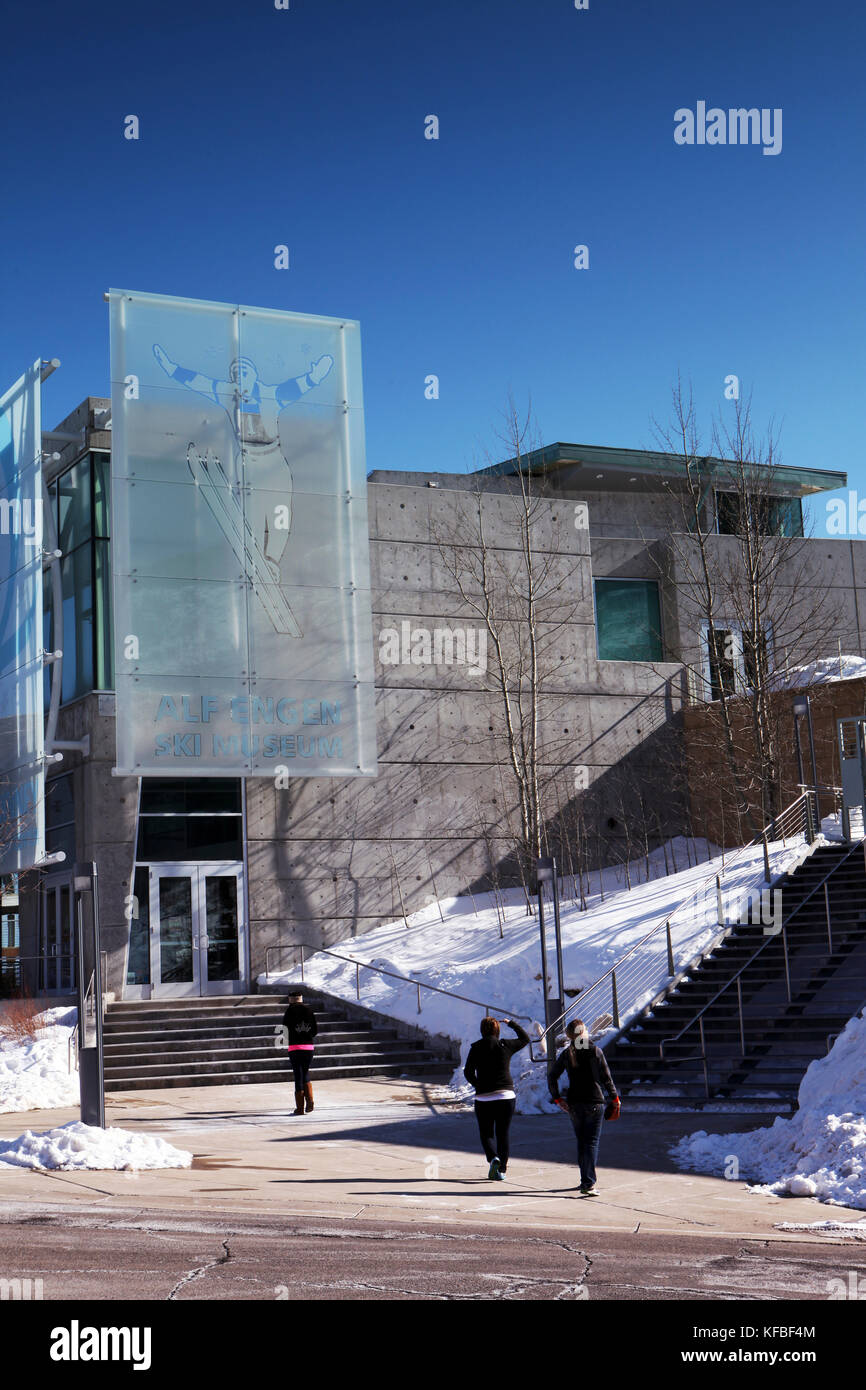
point(56, 964)
point(196, 929)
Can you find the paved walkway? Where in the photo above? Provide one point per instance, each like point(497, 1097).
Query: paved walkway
point(393, 1150)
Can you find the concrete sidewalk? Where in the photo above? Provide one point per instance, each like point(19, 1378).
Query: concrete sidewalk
point(399, 1150)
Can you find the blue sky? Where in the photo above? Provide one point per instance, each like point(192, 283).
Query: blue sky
point(306, 127)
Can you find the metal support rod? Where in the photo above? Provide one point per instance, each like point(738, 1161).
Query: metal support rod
point(827, 911)
point(720, 907)
point(419, 998)
point(740, 1007)
point(357, 981)
point(787, 962)
point(704, 1058)
point(767, 874)
point(670, 947)
point(614, 1000)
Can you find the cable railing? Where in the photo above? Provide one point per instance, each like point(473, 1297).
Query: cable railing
point(652, 965)
point(419, 985)
point(736, 979)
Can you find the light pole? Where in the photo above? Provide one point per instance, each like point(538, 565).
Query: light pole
point(545, 872)
point(803, 707)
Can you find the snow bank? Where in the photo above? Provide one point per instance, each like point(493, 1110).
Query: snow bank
point(820, 1151)
point(35, 1075)
point(487, 948)
point(78, 1145)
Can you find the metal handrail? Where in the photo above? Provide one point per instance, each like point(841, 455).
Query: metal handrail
point(735, 979)
point(392, 974)
point(803, 801)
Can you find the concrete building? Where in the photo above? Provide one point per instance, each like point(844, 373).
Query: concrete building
point(198, 878)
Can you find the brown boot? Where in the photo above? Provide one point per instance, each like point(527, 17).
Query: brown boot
point(308, 1092)
point(299, 1103)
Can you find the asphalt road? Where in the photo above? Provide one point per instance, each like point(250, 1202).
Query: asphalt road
point(185, 1255)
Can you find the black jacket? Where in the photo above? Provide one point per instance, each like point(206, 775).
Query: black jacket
point(488, 1066)
point(589, 1075)
point(300, 1020)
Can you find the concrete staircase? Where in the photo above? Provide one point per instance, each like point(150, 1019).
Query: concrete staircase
point(231, 1041)
point(828, 986)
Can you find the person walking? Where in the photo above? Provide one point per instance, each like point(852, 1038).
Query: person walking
point(589, 1081)
point(301, 1027)
point(488, 1069)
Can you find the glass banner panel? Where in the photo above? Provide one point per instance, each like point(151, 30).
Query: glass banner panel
point(22, 732)
point(239, 540)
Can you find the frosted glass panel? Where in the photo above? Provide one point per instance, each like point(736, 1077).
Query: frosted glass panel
point(239, 540)
point(22, 820)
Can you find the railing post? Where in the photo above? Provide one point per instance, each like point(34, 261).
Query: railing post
point(670, 947)
point(720, 907)
point(419, 999)
point(787, 963)
point(740, 1007)
point(827, 911)
point(614, 1005)
point(357, 981)
point(704, 1058)
point(767, 875)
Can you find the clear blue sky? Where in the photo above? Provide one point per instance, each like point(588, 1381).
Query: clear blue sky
point(306, 127)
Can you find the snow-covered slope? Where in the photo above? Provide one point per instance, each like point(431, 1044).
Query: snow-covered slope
point(820, 1151)
point(35, 1075)
point(491, 954)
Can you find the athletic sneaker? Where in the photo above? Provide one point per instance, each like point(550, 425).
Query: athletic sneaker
point(589, 1189)
point(495, 1173)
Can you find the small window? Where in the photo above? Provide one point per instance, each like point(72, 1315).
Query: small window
point(628, 620)
point(772, 516)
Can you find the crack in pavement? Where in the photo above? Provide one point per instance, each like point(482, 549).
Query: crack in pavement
point(201, 1271)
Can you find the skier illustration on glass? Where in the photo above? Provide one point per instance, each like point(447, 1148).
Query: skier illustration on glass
point(256, 538)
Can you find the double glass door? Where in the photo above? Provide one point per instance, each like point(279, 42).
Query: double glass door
point(55, 973)
point(197, 929)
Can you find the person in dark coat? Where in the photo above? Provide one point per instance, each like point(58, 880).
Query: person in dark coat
point(488, 1069)
point(301, 1027)
point(589, 1083)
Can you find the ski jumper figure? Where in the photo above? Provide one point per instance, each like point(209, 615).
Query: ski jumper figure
point(256, 540)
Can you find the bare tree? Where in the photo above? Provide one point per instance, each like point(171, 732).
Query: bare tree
point(524, 588)
point(745, 584)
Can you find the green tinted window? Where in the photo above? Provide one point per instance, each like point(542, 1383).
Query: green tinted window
point(628, 620)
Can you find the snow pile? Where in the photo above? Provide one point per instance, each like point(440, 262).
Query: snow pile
point(831, 668)
point(487, 948)
point(35, 1075)
point(78, 1145)
point(848, 1230)
point(820, 1151)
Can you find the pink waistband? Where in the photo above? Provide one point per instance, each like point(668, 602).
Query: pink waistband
point(300, 1047)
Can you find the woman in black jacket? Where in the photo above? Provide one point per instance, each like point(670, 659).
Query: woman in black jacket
point(301, 1028)
point(589, 1081)
point(488, 1069)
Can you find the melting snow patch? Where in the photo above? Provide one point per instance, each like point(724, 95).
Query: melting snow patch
point(818, 1152)
point(78, 1145)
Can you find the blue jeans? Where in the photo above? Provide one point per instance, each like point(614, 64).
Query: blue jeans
point(587, 1121)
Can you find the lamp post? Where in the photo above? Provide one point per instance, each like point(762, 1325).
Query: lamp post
point(545, 872)
point(803, 708)
point(90, 1060)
